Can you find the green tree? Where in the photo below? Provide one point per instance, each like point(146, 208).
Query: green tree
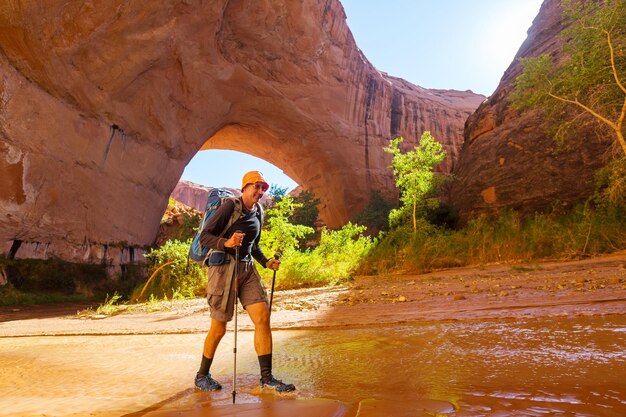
point(415, 177)
point(376, 214)
point(280, 234)
point(308, 212)
point(277, 192)
point(588, 77)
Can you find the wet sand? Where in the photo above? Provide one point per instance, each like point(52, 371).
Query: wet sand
point(541, 339)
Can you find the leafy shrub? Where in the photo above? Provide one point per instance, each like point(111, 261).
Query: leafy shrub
point(280, 235)
point(306, 213)
point(180, 276)
point(611, 184)
point(332, 261)
point(441, 214)
point(375, 216)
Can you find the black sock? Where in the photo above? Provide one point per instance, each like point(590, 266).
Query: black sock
point(265, 362)
point(205, 365)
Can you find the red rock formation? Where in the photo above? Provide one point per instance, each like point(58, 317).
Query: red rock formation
point(103, 106)
point(191, 194)
point(179, 222)
point(508, 160)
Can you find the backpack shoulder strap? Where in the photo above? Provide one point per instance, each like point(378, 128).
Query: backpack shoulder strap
point(236, 214)
point(260, 213)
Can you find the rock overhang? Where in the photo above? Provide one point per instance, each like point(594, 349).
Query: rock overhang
point(107, 103)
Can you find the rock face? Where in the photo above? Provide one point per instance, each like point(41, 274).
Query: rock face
point(191, 194)
point(178, 222)
point(508, 161)
point(103, 105)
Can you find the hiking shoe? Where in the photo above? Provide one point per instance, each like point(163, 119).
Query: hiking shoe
point(206, 383)
point(277, 385)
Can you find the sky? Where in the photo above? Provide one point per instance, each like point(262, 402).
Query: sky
point(446, 44)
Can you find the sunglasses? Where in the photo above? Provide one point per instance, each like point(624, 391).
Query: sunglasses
point(260, 186)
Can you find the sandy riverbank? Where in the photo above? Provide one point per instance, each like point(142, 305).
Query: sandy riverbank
point(595, 286)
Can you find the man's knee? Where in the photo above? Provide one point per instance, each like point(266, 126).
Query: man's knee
point(259, 314)
point(217, 330)
point(263, 319)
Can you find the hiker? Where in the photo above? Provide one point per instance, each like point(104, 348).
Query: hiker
point(251, 292)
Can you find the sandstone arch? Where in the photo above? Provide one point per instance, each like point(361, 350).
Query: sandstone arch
point(305, 164)
point(103, 105)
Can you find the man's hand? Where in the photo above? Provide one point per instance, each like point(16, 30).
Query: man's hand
point(234, 240)
point(273, 264)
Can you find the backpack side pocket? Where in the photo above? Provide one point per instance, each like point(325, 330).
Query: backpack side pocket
point(216, 258)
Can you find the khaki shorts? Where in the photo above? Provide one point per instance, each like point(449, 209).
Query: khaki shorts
point(251, 289)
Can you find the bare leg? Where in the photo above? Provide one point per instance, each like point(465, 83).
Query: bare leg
point(260, 316)
point(216, 332)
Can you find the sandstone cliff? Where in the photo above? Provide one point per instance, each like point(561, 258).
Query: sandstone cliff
point(179, 222)
point(508, 161)
point(191, 194)
point(103, 105)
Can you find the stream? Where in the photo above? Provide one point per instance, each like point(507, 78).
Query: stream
point(574, 366)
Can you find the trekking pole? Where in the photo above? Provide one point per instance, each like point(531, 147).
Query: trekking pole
point(277, 257)
point(236, 295)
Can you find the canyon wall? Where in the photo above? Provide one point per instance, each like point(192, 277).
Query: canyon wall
point(102, 105)
point(509, 161)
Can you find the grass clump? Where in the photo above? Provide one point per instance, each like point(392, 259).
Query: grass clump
point(109, 307)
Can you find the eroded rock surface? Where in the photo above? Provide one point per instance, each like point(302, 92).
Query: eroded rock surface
point(104, 103)
point(509, 161)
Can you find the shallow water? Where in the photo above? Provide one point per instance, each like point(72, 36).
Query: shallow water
point(535, 367)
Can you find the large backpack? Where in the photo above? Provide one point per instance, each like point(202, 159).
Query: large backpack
point(214, 200)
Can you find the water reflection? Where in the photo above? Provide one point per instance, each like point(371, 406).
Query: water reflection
point(574, 365)
point(519, 367)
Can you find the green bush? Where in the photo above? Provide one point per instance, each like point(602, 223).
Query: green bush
point(53, 275)
point(181, 276)
point(38, 281)
point(611, 185)
point(375, 216)
point(333, 261)
point(307, 212)
point(279, 234)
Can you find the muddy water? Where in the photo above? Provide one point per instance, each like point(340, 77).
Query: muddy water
point(534, 367)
